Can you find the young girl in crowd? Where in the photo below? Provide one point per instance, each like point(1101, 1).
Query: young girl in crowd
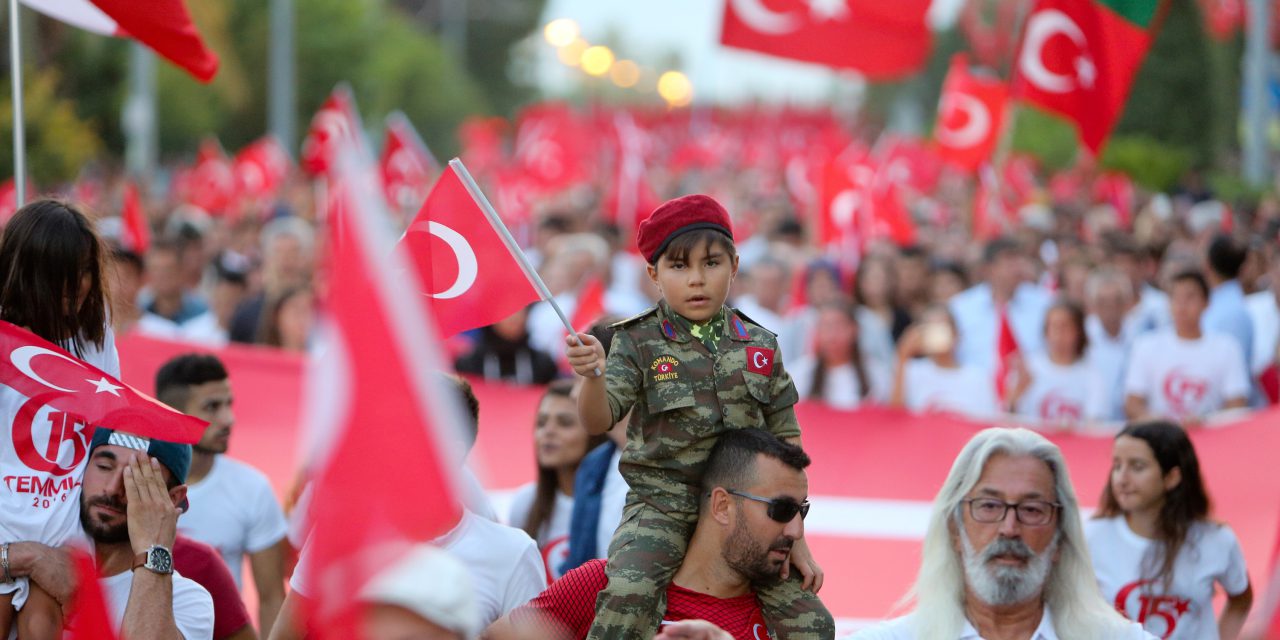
point(837, 373)
point(1155, 550)
point(929, 378)
point(51, 283)
point(1058, 387)
point(542, 508)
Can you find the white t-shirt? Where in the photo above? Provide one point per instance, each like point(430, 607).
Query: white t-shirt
point(42, 461)
point(975, 313)
point(553, 535)
point(903, 629)
point(1265, 314)
point(1185, 378)
point(1211, 554)
point(969, 391)
point(1108, 356)
point(234, 510)
point(192, 605)
point(1062, 395)
point(506, 568)
point(840, 390)
point(613, 497)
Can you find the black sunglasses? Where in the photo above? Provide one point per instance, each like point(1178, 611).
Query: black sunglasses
point(782, 510)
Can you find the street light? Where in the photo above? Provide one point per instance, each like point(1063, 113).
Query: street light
point(625, 74)
point(571, 54)
point(597, 60)
point(560, 32)
point(675, 88)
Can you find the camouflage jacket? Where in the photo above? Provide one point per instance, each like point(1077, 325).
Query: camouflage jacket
point(683, 397)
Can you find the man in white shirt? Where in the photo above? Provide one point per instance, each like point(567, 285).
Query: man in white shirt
point(131, 497)
point(1004, 553)
point(1109, 296)
point(1185, 374)
point(977, 310)
point(234, 508)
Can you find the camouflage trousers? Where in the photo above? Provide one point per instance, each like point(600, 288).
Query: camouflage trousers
point(647, 550)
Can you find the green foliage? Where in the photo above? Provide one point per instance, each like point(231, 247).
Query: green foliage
point(1171, 100)
point(58, 142)
point(1048, 137)
point(1151, 163)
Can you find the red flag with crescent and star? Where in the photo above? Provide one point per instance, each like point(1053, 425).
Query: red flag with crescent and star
point(470, 275)
point(337, 122)
point(1078, 59)
point(406, 165)
point(880, 40)
point(970, 115)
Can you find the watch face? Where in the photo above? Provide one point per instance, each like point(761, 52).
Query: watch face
point(160, 560)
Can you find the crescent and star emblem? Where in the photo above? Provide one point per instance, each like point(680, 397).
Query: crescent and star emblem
point(1040, 28)
point(977, 121)
point(462, 252)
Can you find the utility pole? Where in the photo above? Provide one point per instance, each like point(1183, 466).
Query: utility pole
point(138, 118)
point(1257, 112)
point(281, 94)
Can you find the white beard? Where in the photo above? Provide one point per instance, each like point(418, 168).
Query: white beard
point(1002, 585)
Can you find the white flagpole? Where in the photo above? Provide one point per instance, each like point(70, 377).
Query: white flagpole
point(19, 124)
point(512, 246)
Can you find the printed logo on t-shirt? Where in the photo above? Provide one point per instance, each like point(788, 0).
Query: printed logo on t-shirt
point(1158, 614)
point(553, 555)
point(1056, 407)
point(1184, 392)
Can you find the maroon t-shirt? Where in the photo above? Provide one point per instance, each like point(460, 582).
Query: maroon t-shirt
point(571, 602)
point(202, 563)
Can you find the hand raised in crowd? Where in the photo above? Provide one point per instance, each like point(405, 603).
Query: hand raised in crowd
point(692, 630)
point(803, 560)
point(152, 516)
point(587, 356)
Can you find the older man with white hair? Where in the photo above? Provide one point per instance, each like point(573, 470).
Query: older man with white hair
point(1004, 556)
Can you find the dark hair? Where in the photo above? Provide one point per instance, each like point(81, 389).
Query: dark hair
point(1184, 504)
point(1193, 276)
point(1226, 256)
point(47, 248)
point(544, 496)
point(271, 318)
point(176, 377)
point(732, 462)
point(860, 275)
point(1076, 312)
point(603, 331)
point(952, 268)
point(859, 367)
point(679, 247)
point(467, 398)
point(998, 247)
point(120, 255)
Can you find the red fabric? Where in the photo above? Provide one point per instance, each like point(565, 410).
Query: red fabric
point(760, 360)
point(1116, 189)
point(88, 619)
point(388, 431)
point(450, 243)
point(49, 376)
point(166, 27)
point(210, 185)
point(570, 604)
point(334, 124)
point(990, 213)
point(970, 115)
point(880, 40)
point(679, 213)
point(481, 142)
point(1078, 59)
point(406, 166)
point(135, 235)
point(1269, 381)
point(991, 37)
point(1006, 350)
point(202, 563)
point(261, 168)
point(1222, 18)
point(551, 146)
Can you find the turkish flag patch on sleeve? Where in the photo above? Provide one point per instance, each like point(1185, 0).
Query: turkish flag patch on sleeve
point(760, 360)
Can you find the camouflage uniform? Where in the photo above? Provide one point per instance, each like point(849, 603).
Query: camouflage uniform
point(685, 393)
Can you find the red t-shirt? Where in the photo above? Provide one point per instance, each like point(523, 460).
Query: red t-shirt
point(201, 563)
point(571, 601)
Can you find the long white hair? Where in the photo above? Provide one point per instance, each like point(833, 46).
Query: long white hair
point(1071, 592)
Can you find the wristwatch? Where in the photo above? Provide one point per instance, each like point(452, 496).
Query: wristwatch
point(156, 558)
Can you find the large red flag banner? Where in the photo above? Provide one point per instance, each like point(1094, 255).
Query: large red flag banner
point(469, 273)
point(881, 40)
point(1078, 59)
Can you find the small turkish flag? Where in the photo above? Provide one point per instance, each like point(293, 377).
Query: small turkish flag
point(465, 267)
point(88, 619)
point(760, 360)
point(551, 146)
point(407, 165)
point(261, 168)
point(211, 185)
point(970, 114)
point(135, 233)
point(1006, 349)
point(1078, 59)
point(881, 40)
point(336, 123)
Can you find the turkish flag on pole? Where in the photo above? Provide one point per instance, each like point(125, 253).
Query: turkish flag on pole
point(135, 233)
point(551, 146)
point(261, 168)
point(1006, 350)
point(211, 185)
point(407, 165)
point(881, 40)
point(970, 115)
point(1078, 59)
point(335, 124)
point(388, 434)
point(88, 619)
point(470, 275)
point(163, 25)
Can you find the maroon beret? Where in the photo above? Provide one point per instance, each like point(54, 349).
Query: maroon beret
point(674, 217)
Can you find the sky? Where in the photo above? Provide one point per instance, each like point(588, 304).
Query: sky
point(649, 32)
